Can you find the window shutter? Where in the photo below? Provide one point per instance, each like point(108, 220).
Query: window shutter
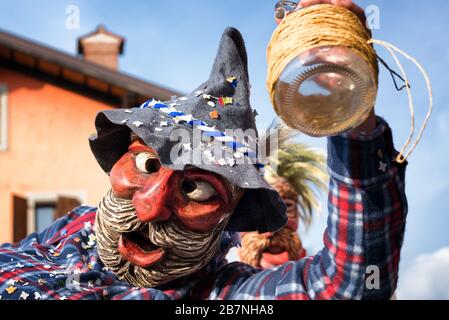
point(65, 205)
point(20, 208)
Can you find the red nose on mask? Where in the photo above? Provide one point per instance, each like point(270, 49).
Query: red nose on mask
point(155, 201)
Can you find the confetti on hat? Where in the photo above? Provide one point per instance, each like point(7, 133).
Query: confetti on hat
point(231, 162)
point(183, 118)
point(207, 130)
point(238, 155)
point(209, 156)
point(233, 81)
point(225, 101)
point(222, 162)
point(199, 92)
point(214, 115)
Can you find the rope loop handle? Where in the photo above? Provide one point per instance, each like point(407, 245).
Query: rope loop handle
point(403, 155)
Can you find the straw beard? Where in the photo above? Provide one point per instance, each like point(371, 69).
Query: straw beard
point(185, 251)
point(255, 244)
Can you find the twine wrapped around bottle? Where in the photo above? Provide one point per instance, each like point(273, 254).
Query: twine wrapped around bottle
point(312, 27)
point(328, 25)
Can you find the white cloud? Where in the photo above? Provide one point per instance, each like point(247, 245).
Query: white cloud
point(427, 278)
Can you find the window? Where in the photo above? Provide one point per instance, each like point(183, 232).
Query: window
point(37, 211)
point(44, 216)
point(3, 117)
point(43, 208)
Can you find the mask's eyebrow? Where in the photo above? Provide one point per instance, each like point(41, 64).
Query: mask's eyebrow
point(133, 137)
point(139, 146)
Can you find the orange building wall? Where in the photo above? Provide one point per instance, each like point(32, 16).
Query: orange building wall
point(48, 148)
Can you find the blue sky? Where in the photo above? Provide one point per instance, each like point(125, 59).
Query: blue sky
point(174, 43)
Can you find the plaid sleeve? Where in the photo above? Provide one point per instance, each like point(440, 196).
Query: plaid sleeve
point(364, 235)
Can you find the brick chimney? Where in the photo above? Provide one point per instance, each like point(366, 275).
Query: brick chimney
point(101, 47)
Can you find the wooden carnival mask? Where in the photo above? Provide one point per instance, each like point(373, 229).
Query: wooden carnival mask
point(271, 249)
point(158, 224)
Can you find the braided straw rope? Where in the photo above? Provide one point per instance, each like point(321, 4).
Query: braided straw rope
point(329, 25)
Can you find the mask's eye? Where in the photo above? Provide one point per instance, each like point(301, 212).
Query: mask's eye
point(147, 162)
point(291, 205)
point(198, 191)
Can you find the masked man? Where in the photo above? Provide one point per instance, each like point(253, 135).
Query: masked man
point(297, 176)
point(164, 228)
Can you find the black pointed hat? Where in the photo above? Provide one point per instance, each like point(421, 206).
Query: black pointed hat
point(219, 104)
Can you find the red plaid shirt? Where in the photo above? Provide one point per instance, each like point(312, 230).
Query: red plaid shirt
point(367, 212)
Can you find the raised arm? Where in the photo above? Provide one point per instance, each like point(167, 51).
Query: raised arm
point(367, 212)
point(363, 239)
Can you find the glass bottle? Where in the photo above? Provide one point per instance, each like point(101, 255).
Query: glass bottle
point(325, 91)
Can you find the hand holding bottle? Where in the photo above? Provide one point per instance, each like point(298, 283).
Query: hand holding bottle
point(330, 81)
